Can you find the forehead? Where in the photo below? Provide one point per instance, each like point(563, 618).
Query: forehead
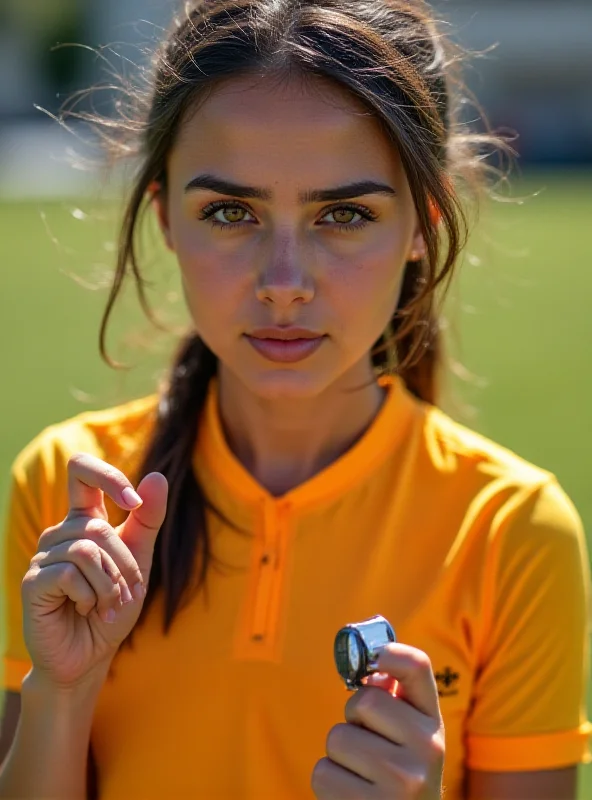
point(260, 123)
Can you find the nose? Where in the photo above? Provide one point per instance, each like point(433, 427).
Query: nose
point(284, 278)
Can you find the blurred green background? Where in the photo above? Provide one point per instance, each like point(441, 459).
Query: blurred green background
point(519, 314)
point(519, 319)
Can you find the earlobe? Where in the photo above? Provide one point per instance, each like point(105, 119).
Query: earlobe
point(418, 248)
point(158, 202)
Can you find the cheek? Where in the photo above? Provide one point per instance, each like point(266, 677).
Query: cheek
point(211, 270)
point(213, 291)
point(365, 293)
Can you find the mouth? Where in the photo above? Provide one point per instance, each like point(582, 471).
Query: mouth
point(285, 345)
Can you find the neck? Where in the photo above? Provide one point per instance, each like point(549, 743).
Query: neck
point(284, 442)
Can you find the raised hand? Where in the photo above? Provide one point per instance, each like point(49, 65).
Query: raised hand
point(86, 584)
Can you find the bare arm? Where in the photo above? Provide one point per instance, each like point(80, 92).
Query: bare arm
point(53, 730)
point(9, 720)
point(552, 784)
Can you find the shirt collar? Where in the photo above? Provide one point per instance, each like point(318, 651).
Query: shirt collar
point(228, 483)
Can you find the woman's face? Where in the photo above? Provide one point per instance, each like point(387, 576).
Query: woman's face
point(283, 253)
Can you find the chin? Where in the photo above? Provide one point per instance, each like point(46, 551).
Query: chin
point(286, 384)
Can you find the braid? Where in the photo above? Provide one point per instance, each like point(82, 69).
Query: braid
point(183, 538)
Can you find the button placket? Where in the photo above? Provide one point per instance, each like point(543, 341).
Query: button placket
point(264, 587)
point(269, 577)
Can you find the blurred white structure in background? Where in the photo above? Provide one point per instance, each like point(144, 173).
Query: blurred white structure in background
point(536, 81)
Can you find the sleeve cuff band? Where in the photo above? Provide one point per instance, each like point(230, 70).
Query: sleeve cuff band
point(522, 753)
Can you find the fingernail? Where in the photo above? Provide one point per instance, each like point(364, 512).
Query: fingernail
point(126, 595)
point(109, 615)
point(139, 591)
point(130, 498)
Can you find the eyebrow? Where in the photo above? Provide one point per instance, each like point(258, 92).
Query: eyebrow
point(215, 184)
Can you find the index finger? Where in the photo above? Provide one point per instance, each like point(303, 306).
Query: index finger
point(88, 478)
point(413, 672)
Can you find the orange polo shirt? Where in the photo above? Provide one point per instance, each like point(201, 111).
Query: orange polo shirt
point(475, 556)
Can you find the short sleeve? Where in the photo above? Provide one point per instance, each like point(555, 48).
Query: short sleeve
point(37, 498)
point(529, 710)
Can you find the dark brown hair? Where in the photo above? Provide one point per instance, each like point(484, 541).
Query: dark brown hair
point(389, 54)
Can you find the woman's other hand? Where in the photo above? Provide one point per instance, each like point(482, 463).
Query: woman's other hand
point(392, 743)
point(86, 584)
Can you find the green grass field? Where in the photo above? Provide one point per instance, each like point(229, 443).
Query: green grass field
point(520, 313)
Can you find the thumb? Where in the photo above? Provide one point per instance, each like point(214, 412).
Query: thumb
point(413, 671)
point(140, 529)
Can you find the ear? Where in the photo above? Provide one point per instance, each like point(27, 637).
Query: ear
point(158, 200)
point(418, 246)
point(418, 249)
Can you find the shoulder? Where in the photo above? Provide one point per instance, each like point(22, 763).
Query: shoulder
point(517, 539)
point(453, 446)
point(114, 434)
point(508, 493)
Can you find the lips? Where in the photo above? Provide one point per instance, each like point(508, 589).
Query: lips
point(285, 345)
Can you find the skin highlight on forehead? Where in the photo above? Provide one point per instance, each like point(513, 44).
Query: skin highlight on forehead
point(290, 130)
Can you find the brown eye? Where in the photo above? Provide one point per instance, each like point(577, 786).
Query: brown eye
point(344, 215)
point(223, 214)
point(349, 217)
point(232, 213)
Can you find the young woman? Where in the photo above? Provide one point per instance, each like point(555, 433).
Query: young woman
point(186, 559)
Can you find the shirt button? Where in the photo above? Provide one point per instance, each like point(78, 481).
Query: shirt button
point(265, 559)
point(258, 637)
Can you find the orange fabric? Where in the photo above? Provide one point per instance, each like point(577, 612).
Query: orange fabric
point(476, 557)
point(561, 748)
